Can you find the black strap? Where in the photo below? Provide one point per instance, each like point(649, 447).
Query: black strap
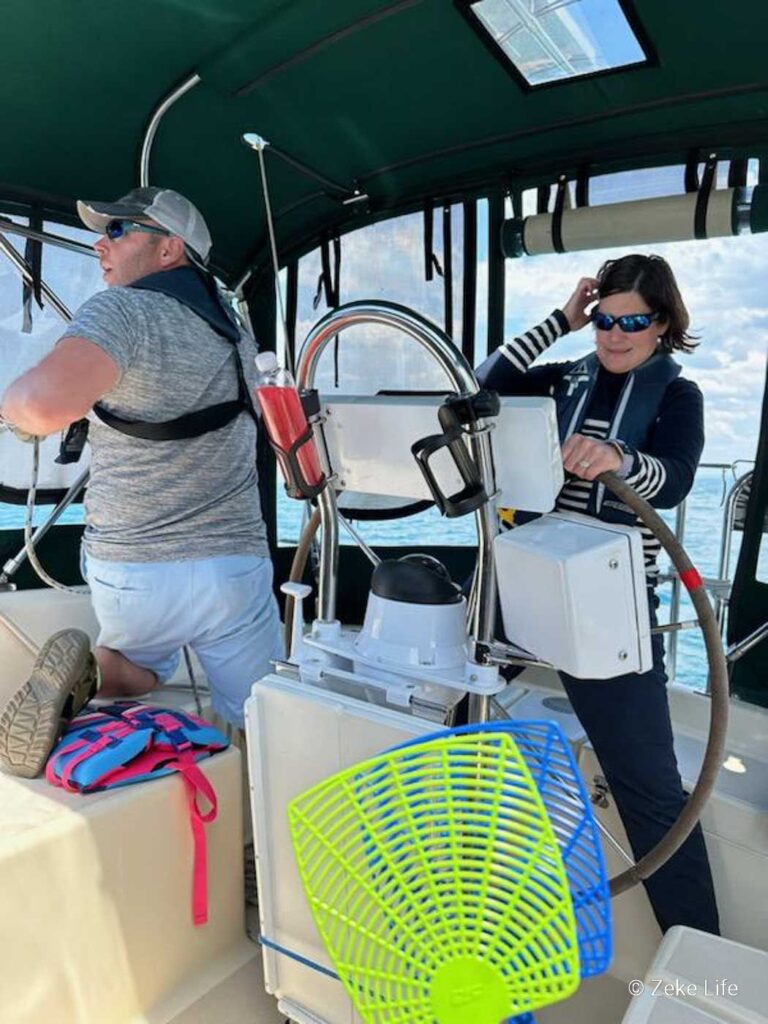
point(737, 173)
point(336, 293)
point(448, 268)
point(291, 306)
point(469, 298)
point(325, 262)
point(191, 424)
point(702, 198)
point(582, 187)
point(496, 278)
point(428, 242)
point(336, 270)
point(692, 171)
point(557, 216)
point(431, 262)
point(33, 257)
point(329, 281)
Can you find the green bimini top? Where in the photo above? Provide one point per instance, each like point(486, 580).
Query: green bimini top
point(388, 104)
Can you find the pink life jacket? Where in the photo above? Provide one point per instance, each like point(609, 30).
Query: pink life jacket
point(130, 742)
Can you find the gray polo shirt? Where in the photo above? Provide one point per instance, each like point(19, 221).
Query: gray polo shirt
point(160, 501)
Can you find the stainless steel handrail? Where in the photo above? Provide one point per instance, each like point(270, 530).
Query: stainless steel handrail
point(12, 228)
point(720, 602)
point(154, 122)
point(25, 272)
point(729, 518)
point(674, 605)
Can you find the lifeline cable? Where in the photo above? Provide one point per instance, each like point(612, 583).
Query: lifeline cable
point(29, 547)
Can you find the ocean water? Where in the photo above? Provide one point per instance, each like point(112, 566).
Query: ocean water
point(702, 542)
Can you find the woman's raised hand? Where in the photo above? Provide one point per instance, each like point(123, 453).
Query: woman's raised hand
point(575, 309)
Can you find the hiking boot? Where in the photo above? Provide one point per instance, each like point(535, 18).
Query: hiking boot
point(63, 680)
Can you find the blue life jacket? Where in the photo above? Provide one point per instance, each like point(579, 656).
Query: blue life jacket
point(636, 411)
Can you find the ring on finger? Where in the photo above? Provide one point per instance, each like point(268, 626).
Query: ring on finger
point(585, 464)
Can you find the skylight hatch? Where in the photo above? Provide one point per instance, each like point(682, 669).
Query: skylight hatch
point(556, 40)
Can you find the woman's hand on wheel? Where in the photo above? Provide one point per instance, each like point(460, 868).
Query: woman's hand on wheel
point(575, 309)
point(587, 458)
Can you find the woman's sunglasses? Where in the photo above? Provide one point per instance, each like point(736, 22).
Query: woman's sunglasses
point(119, 228)
point(630, 323)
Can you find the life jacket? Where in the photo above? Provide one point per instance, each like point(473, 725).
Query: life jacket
point(196, 290)
point(636, 410)
point(130, 742)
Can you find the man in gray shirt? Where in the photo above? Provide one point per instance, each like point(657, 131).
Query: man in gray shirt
point(175, 546)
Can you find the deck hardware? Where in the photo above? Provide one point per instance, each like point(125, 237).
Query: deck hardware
point(600, 791)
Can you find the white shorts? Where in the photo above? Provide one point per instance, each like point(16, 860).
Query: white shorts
point(223, 608)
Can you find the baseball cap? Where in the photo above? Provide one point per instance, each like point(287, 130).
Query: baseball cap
point(167, 208)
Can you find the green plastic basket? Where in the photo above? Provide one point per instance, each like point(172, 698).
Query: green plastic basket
point(437, 885)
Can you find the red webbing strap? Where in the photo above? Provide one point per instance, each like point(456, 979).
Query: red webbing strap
point(196, 784)
point(691, 579)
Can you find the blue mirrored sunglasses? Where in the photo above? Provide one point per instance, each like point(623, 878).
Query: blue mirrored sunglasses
point(630, 323)
point(118, 228)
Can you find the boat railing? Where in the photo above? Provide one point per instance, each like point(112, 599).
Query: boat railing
point(719, 587)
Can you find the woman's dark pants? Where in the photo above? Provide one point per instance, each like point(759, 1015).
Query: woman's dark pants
point(628, 724)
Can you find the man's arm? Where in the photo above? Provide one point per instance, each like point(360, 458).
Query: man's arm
point(62, 388)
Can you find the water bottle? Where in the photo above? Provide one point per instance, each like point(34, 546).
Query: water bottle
point(286, 423)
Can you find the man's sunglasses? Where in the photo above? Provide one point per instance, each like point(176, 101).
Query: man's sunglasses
point(119, 228)
point(630, 323)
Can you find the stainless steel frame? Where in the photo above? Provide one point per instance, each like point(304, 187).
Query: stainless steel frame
point(11, 567)
point(462, 379)
point(154, 122)
point(720, 587)
point(25, 272)
point(729, 518)
point(12, 228)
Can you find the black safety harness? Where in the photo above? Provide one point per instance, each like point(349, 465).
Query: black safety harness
point(198, 292)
